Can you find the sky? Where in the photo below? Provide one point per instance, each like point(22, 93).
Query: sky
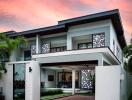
point(21, 15)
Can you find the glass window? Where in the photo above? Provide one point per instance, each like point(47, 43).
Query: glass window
point(113, 46)
point(19, 82)
point(58, 49)
point(27, 55)
point(85, 45)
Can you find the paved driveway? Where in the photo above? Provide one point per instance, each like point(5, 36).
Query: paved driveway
point(77, 97)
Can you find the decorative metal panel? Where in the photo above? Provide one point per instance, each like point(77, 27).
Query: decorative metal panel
point(98, 40)
point(45, 48)
point(33, 49)
point(86, 78)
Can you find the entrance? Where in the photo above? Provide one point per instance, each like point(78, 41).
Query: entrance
point(18, 81)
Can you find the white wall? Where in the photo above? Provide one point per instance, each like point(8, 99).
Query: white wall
point(8, 82)
point(113, 36)
point(90, 28)
point(44, 77)
point(107, 83)
point(32, 81)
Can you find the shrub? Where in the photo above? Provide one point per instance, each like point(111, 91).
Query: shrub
point(51, 92)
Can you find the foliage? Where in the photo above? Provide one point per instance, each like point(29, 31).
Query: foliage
point(7, 46)
point(51, 92)
point(128, 55)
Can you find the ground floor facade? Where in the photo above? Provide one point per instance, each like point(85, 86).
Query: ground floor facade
point(97, 71)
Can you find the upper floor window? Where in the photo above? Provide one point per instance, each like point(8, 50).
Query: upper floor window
point(33, 49)
point(114, 46)
point(98, 40)
point(27, 55)
point(85, 45)
point(58, 49)
point(118, 51)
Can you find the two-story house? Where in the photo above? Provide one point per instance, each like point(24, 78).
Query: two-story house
point(77, 54)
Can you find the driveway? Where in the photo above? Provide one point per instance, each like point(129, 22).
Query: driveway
point(77, 97)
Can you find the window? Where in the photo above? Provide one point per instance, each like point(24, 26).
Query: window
point(58, 49)
point(85, 45)
point(27, 55)
point(33, 49)
point(50, 77)
point(113, 46)
point(118, 52)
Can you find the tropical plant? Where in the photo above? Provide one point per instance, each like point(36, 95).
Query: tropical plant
point(128, 61)
point(7, 46)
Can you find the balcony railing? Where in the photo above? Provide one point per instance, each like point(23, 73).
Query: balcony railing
point(96, 41)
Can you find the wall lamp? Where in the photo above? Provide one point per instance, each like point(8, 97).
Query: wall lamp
point(30, 69)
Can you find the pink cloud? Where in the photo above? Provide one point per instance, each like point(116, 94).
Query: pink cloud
point(28, 14)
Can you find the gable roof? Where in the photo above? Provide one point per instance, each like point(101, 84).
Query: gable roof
point(64, 24)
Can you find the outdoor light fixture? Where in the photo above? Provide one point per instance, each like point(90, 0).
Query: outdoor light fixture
point(5, 70)
point(30, 69)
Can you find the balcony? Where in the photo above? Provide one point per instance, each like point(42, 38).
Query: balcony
point(90, 54)
point(61, 44)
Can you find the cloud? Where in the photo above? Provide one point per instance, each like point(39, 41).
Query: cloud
point(22, 15)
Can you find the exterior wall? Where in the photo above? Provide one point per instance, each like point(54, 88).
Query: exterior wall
point(71, 58)
point(129, 84)
point(123, 85)
point(107, 83)
point(90, 28)
point(55, 41)
point(32, 81)
point(44, 78)
point(8, 82)
point(113, 37)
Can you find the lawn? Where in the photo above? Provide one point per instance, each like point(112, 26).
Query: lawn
point(52, 97)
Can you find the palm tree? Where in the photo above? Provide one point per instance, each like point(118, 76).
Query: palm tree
point(7, 46)
point(128, 55)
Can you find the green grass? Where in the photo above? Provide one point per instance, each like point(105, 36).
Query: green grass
point(52, 97)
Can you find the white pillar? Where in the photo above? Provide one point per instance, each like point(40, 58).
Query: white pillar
point(69, 42)
point(100, 62)
point(73, 81)
point(38, 47)
point(32, 81)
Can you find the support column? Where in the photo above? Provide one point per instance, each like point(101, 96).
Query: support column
point(38, 49)
point(73, 81)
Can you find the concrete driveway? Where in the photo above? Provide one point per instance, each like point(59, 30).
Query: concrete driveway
point(77, 97)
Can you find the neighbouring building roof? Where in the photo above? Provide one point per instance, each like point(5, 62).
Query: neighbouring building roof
point(63, 25)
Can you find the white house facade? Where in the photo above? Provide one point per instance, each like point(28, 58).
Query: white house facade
point(78, 54)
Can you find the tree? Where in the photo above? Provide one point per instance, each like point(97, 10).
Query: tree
point(7, 46)
point(128, 55)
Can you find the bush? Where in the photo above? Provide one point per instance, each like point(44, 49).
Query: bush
point(51, 92)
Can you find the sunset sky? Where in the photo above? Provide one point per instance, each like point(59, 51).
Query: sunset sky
point(22, 15)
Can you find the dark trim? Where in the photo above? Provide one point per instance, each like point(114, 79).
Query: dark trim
point(74, 50)
point(13, 81)
point(63, 25)
point(70, 63)
point(114, 55)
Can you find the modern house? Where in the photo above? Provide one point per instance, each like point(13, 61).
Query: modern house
point(73, 55)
